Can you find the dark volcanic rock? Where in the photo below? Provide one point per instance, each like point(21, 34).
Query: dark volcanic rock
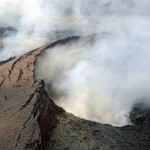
point(140, 114)
point(74, 133)
point(45, 110)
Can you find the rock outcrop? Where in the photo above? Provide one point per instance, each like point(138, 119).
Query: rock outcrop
point(30, 120)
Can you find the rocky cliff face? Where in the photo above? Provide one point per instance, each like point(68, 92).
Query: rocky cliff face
point(30, 120)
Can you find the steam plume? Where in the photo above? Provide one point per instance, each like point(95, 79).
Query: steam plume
point(101, 80)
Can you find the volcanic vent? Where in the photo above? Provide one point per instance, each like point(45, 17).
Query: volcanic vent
point(31, 120)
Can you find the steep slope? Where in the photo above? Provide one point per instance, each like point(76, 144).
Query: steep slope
point(29, 119)
point(74, 133)
point(27, 114)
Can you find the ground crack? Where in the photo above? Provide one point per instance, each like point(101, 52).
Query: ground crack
point(27, 102)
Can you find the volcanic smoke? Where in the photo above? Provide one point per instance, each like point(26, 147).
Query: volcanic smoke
point(99, 77)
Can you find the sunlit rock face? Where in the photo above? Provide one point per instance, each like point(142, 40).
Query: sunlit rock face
point(27, 113)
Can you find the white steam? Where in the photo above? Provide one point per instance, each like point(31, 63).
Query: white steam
point(36, 22)
point(103, 81)
point(99, 80)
